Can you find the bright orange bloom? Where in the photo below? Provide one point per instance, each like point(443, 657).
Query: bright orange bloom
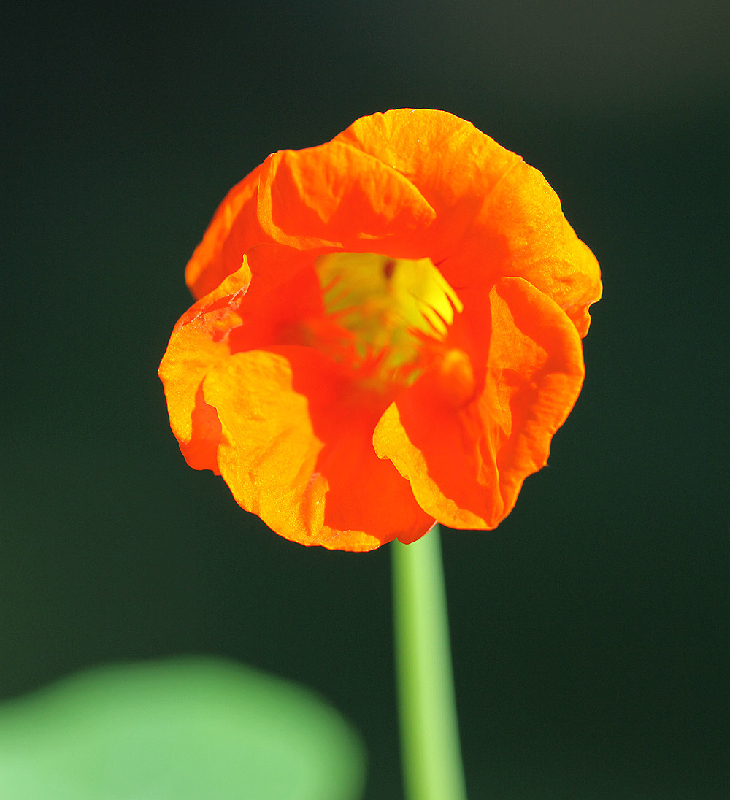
point(387, 333)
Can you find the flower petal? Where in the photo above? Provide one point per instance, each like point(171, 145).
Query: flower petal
point(492, 209)
point(336, 196)
point(467, 466)
point(524, 215)
point(297, 451)
point(198, 342)
point(239, 315)
point(226, 239)
point(453, 165)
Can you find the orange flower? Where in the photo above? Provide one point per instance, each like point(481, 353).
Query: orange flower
point(387, 333)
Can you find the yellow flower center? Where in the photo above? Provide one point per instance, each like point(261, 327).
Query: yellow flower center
point(390, 307)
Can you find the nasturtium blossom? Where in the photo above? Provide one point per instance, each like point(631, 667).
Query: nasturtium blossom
point(387, 333)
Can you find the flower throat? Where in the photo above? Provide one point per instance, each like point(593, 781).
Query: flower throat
point(390, 306)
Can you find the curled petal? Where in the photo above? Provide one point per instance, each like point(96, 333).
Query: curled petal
point(335, 196)
point(230, 234)
point(296, 449)
point(236, 316)
point(198, 342)
point(453, 165)
point(466, 465)
point(524, 220)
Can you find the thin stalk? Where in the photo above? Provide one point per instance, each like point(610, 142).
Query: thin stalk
point(432, 768)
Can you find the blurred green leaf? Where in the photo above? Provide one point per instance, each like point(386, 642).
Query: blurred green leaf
point(182, 729)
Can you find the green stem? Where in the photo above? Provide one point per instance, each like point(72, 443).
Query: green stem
point(430, 749)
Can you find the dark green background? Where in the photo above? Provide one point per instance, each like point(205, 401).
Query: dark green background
point(590, 631)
